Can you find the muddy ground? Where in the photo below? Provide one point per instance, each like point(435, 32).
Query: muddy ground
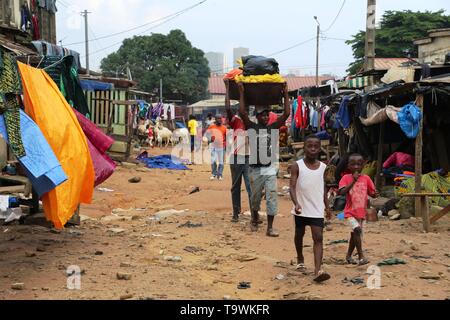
point(120, 238)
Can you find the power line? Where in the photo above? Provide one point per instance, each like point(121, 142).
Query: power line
point(176, 14)
point(145, 31)
point(337, 16)
point(291, 47)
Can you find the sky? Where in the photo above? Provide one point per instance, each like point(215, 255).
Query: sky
point(263, 26)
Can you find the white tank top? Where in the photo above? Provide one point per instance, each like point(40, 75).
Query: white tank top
point(310, 190)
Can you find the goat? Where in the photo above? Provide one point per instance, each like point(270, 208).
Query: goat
point(163, 134)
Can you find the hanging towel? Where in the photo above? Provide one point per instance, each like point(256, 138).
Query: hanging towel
point(49, 109)
point(40, 163)
point(343, 115)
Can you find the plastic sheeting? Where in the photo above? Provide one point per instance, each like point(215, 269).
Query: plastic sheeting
point(390, 112)
point(49, 109)
point(409, 118)
point(98, 144)
point(162, 162)
point(91, 85)
point(40, 163)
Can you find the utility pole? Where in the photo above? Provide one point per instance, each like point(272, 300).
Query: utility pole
point(370, 36)
point(160, 90)
point(317, 51)
point(86, 38)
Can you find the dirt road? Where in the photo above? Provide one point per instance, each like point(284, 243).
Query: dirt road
point(216, 255)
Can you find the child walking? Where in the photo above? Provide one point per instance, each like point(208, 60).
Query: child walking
point(357, 188)
point(310, 200)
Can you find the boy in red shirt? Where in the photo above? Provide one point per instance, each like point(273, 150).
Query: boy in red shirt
point(357, 187)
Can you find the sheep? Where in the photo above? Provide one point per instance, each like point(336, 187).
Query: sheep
point(163, 134)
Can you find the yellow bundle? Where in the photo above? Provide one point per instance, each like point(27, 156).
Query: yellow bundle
point(273, 78)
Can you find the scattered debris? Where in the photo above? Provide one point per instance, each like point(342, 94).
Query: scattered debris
point(280, 276)
point(226, 297)
point(432, 277)
point(30, 254)
point(391, 262)
point(18, 286)
point(76, 232)
point(244, 285)
point(195, 190)
point(123, 276)
point(193, 249)
point(189, 224)
point(168, 213)
point(355, 280)
point(98, 253)
point(421, 257)
point(116, 230)
point(281, 264)
point(126, 296)
point(246, 258)
point(173, 259)
point(338, 241)
point(135, 180)
point(105, 190)
point(125, 265)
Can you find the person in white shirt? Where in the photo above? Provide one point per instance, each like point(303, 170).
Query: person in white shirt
point(307, 189)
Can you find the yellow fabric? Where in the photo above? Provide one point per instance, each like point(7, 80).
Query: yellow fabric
point(45, 104)
point(273, 78)
point(192, 125)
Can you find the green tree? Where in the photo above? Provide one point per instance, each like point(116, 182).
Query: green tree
point(396, 33)
point(182, 67)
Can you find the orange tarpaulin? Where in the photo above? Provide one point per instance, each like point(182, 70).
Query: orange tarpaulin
point(45, 104)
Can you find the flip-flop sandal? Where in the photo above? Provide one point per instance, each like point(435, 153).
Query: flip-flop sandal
point(351, 261)
point(272, 233)
point(363, 262)
point(323, 276)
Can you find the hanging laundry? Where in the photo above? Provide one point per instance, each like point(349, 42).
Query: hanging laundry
point(409, 118)
point(98, 144)
point(40, 163)
point(65, 74)
point(9, 101)
point(299, 113)
point(48, 108)
point(343, 115)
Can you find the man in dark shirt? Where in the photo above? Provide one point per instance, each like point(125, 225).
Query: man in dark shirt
point(264, 139)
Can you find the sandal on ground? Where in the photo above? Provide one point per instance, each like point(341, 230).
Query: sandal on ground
point(300, 267)
point(363, 262)
point(272, 233)
point(321, 277)
point(351, 261)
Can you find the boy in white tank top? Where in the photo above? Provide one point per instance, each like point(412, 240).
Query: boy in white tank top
point(308, 194)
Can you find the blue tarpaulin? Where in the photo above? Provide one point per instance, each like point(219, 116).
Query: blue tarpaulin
point(91, 85)
point(162, 162)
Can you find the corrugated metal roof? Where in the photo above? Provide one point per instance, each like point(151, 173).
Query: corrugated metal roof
point(217, 86)
point(387, 63)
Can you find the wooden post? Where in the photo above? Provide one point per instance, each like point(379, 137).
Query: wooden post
point(378, 178)
point(341, 141)
point(418, 160)
point(425, 213)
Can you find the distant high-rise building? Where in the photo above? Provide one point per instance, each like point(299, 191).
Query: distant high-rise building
point(217, 62)
point(239, 53)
